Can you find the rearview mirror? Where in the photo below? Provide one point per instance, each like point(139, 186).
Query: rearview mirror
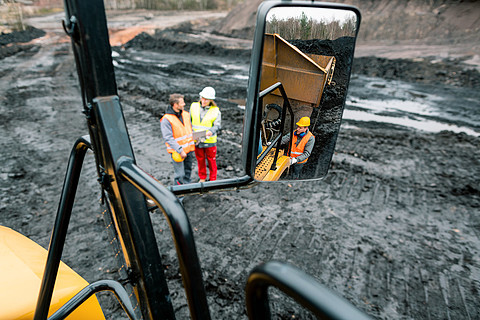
point(300, 71)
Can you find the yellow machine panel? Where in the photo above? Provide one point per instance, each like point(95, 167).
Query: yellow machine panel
point(22, 264)
point(263, 172)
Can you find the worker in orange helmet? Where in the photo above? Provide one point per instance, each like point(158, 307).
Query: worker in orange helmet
point(177, 133)
point(302, 142)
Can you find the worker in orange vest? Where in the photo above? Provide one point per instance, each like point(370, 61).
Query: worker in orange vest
point(177, 133)
point(301, 146)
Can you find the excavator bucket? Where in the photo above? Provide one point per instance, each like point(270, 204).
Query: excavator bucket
point(304, 76)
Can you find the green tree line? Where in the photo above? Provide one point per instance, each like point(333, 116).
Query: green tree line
point(304, 28)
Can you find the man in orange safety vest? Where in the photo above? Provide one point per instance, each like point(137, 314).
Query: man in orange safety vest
point(302, 142)
point(177, 133)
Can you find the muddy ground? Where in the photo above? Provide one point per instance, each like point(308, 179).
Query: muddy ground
point(394, 227)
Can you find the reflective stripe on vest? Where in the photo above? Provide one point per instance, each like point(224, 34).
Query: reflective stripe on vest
point(182, 133)
point(298, 150)
point(207, 121)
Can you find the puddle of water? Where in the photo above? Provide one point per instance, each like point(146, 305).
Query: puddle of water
point(423, 124)
point(413, 105)
point(240, 77)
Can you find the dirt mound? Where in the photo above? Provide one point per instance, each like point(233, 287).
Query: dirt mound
point(240, 22)
point(340, 48)
point(424, 70)
point(164, 41)
point(437, 21)
point(10, 43)
point(26, 35)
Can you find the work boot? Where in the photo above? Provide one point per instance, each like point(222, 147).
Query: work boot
point(202, 180)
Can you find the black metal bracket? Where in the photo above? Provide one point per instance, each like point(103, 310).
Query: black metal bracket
point(181, 230)
point(304, 289)
point(91, 289)
point(70, 26)
point(60, 228)
point(278, 139)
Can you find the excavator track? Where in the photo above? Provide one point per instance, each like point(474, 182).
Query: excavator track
point(263, 171)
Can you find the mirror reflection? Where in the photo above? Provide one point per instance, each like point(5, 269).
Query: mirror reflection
point(307, 57)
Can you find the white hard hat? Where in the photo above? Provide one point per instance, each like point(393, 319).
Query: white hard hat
point(208, 93)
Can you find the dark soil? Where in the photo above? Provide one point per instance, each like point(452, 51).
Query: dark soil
point(427, 70)
point(393, 227)
point(14, 42)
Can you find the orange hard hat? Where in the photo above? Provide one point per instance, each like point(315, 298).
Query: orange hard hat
point(303, 122)
point(177, 157)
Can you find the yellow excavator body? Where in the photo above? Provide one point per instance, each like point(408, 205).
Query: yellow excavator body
point(264, 172)
point(22, 264)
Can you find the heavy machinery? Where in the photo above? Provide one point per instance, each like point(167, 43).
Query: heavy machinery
point(125, 187)
point(303, 77)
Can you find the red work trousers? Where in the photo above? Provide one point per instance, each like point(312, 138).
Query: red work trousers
point(205, 155)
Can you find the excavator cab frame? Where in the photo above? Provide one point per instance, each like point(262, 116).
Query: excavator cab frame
point(268, 165)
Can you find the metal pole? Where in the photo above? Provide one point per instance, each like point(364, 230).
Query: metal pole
point(91, 289)
point(181, 231)
point(304, 289)
point(60, 228)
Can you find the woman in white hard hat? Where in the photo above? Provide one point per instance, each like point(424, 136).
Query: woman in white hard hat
point(206, 116)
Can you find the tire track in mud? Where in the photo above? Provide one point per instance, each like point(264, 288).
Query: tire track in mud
point(409, 197)
point(370, 270)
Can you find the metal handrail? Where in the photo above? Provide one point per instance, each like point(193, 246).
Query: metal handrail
point(286, 105)
point(181, 231)
point(304, 289)
point(98, 286)
point(59, 233)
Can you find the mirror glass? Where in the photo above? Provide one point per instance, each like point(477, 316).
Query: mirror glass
point(306, 64)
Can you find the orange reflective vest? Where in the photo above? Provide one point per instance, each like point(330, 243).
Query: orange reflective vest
point(182, 133)
point(297, 150)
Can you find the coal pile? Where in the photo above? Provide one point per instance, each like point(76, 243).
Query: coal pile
point(162, 41)
point(14, 42)
point(424, 70)
point(327, 116)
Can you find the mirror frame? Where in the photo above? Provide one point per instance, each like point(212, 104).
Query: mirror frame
point(253, 112)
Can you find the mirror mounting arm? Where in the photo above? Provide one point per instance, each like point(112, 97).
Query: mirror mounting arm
point(236, 183)
point(263, 154)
